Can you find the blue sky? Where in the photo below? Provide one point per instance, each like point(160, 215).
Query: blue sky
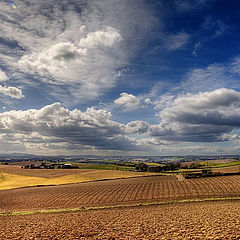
point(120, 77)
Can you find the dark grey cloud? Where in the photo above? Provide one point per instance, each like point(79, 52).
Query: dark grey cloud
point(202, 117)
point(218, 107)
point(56, 124)
point(137, 127)
point(190, 132)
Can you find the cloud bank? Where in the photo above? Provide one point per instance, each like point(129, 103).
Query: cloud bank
point(201, 117)
point(205, 117)
point(56, 124)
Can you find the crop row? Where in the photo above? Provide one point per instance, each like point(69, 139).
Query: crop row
point(118, 192)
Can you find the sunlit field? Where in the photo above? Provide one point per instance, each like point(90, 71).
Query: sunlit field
point(16, 177)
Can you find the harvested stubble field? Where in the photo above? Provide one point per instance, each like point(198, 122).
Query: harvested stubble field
point(12, 176)
point(118, 192)
point(193, 221)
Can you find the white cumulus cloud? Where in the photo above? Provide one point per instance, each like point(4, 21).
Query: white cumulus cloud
point(3, 76)
point(128, 102)
point(148, 101)
point(102, 38)
point(12, 92)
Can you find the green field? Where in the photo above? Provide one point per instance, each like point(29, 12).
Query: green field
point(105, 166)
point(218, 165)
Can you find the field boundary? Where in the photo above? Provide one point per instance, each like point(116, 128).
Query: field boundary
point(118, 206)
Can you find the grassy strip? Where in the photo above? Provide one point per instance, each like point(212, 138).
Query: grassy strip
point(117, 206)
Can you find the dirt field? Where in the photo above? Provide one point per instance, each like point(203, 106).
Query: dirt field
point(117, 192)
point(193, 221)
point(232, 169)
point(45, 173)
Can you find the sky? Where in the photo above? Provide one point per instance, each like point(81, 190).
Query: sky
point(120, 77)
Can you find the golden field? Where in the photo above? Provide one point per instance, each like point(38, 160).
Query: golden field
point(17, 177)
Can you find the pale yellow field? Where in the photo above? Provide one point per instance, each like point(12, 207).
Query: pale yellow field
point(17, 177)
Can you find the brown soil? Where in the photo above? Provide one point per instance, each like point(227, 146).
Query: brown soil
point(232, 169)
point(46, 173)
point(117, 192)
point(24, 163)
point(193, 221)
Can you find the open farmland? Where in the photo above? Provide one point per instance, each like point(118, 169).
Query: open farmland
point(150, 207)
point(195, 221)
point(231, 169)
point(16, 177)
point(220, 163)
point(118, 192)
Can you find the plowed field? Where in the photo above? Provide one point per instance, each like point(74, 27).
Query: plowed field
point(117, 192)
point(232, 169)
point(193, 221)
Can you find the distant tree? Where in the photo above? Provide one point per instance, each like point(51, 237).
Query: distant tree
point(155, 168)
point(206, 172)
point(143, 167)
point(32, 166)
point(195, 165)
point(171, 166)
